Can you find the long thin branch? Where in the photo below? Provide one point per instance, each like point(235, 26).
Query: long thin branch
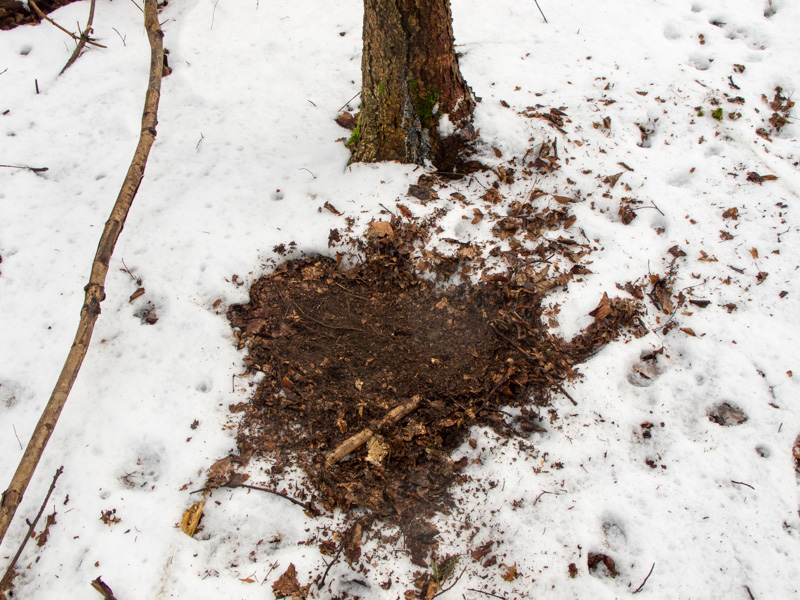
point(83, 41)
point(39, 12)
point(10, 571)
point(95, 292)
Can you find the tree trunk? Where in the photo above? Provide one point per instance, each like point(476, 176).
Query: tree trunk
point(416, 106)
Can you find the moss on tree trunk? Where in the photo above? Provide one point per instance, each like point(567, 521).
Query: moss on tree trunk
point(410, 81)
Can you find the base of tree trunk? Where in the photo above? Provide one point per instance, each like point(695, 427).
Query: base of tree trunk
point(416, 106)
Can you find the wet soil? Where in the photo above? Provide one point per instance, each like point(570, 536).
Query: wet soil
point(341, 347)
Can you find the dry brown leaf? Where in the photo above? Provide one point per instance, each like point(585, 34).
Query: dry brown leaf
point(688, 331)
point(603, 309)
point(754, 252)
point(136, 294)
point(380, 229)
point(511, 572)
point(288, 585)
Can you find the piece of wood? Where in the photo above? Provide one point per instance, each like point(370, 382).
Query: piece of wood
point(359, 439)
point(95, 292)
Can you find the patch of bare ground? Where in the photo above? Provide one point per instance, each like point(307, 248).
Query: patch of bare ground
point(342, 347)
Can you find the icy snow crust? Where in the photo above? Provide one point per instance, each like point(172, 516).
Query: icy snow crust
point(246, 154)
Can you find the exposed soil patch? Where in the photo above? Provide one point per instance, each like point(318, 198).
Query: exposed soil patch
point(14, 13)
point(340, 348)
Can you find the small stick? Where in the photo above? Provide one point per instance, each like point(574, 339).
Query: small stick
point(120, 36)
point(348, 102)
point(486, 593)
point(639, 589)
point(36, 83)
point(103, 588)
point(359, 439)
point(34, 169)
point(83, 40)
point(749, 593)
point(39, 12)
point(742, 483)
point(17, 436)
point(334, 560)
point(213, 13)
point(307, 505)
point(10, 571)
point(540, 10)
point(451, 586)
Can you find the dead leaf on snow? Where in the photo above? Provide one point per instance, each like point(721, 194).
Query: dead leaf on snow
point(611, 180)
point(191, 518)
point(511, 572)
point(380, 229)
point(603, 309)
point(288, 585)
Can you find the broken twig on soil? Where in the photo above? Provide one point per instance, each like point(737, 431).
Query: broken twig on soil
point(4, 583)
point(84, 39)
point(95, 292)
point(359, 439)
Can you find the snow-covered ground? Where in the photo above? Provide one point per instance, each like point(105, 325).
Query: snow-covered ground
point(247, 154)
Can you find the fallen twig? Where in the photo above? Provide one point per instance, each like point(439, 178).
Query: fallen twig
point(451, 586)
point(307, 505)
point(486, 593)
point(34, 169)
point(5, 582)
point(348, 102)
point(540, 10)
point(639, 589)
point(359, 439)
point(328, 567)
point(39, 12)
point(84, 39)
point(95, 292)
point(101, 587)
point(742, 483)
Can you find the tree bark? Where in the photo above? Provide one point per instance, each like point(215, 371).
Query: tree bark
point(411, 84)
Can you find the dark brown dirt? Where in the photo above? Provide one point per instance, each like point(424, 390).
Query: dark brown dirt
point(14, 13)
point(341, 347)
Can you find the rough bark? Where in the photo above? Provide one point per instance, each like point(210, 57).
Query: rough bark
point(410, 82)
point(95, 292)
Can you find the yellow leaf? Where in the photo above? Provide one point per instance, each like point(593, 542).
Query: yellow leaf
point(191, 518)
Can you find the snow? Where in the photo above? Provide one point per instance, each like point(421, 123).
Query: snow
point(246, 155)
